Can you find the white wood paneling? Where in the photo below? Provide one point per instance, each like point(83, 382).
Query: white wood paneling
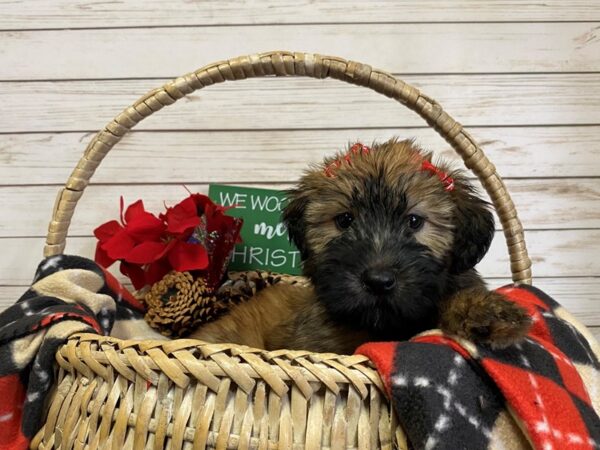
point(300, 103)
point(17, 14)
point(279, 155)
point(401, 48)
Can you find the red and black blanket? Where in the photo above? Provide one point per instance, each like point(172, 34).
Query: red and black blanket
point(543, 393)
point(447, 392)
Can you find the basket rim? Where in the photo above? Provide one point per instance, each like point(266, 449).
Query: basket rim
point(182, 360)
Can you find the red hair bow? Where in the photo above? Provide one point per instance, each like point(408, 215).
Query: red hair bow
point(356, 149)
point(446, 179)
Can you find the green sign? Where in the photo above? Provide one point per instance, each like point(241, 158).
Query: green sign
point(265, 240)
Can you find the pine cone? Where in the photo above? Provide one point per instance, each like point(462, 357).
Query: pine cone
point(178, 304)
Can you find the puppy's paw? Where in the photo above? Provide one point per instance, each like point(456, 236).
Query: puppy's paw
point(486, 317)
point(497, 322)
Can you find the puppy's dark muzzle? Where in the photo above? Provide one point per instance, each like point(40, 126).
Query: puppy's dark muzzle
point(379, 281)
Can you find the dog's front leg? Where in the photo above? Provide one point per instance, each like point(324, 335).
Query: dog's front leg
point(485, 317)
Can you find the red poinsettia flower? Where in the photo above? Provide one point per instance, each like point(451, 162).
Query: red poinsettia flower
point(216, 219)
point(221, 233)
point(146, 251)
point(198, 220)
point(184, 238)
point(117, 240)
point(182, 218)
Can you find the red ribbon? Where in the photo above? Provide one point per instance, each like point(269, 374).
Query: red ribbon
point(359, 148)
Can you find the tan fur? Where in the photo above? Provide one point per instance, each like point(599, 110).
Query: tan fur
point(282, 316)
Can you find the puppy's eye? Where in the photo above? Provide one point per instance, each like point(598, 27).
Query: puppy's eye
point(344, 220)
point(415, 222)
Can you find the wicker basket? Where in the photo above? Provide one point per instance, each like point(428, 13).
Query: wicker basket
point(188, 394)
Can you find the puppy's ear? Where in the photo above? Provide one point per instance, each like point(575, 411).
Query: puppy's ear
point(474, 227)
point(294, 220)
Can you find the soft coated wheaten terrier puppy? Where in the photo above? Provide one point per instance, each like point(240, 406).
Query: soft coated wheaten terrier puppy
point(388, 241)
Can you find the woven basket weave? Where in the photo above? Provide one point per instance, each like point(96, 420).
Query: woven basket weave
point(188, 394)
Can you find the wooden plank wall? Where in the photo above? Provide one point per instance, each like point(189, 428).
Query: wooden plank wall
point(522, 75)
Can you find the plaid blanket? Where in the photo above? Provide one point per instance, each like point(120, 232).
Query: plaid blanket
point(448, 393)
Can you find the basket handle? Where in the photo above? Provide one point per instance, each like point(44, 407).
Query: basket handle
point(281, 63)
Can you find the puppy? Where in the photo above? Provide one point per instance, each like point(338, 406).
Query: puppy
point(388, 241)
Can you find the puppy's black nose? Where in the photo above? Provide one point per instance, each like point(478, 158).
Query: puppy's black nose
point(379, 281)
